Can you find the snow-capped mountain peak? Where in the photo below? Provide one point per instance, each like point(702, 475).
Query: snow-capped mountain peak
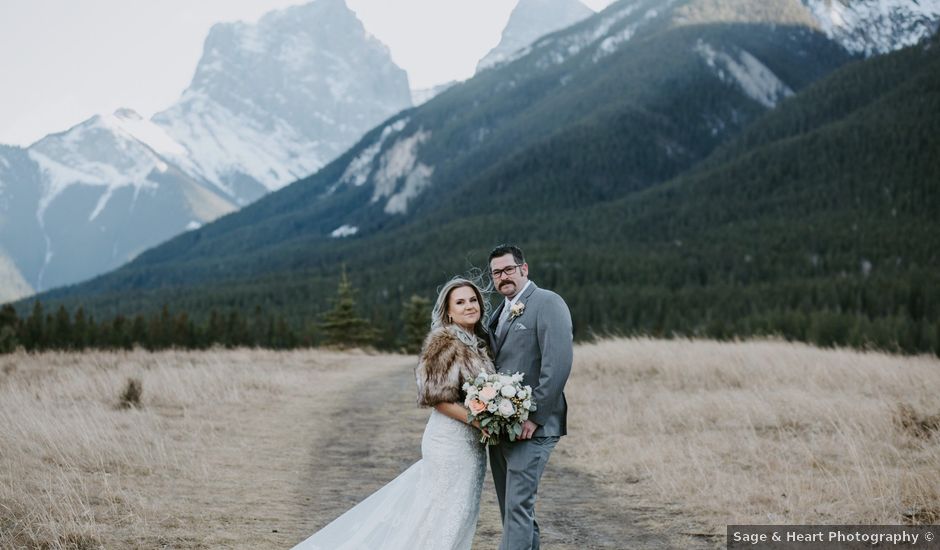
point(269, 103)
point(273, 102)
point(871, 27)
point(101, 152)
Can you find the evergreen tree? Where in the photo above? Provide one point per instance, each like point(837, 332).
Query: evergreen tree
point(9, 327)
point(61, 328)
point(284, 337)
point(80, 331)
point(35, 329)
point(184, 333)
point(341, 326)
point(215, 330)
point(415, 317)
point(139, 333)
point(121, 333)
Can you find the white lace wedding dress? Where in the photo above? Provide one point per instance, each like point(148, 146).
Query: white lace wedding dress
point(433, 505)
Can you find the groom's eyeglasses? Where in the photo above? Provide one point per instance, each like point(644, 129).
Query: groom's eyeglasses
point(507, 271)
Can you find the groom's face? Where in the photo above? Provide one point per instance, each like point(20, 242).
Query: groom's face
point(508, 277)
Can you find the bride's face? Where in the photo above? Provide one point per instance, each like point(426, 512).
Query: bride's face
point(464, 307)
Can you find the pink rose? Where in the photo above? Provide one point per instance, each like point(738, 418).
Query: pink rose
point(487, 393)
point(477, 406)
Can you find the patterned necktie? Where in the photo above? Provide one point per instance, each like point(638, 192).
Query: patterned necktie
point(503, 322)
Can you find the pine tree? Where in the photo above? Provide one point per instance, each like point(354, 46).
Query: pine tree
point(80, 338)
point(9, 326)
point(184, 334)
point(61, 329)
point(341, 326)
point(35, 333)
point(215, 330)
point(139, 333)
point(415, 317)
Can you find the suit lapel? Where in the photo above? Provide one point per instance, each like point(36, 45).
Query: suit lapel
point(523, 299)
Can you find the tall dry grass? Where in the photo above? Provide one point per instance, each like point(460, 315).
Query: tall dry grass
point(78, 470)
point(760, 431)
point(698, 434)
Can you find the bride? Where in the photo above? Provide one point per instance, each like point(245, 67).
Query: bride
point(434, 504)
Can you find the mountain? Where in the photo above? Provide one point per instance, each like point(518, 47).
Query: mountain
point(273, 102)
point(654, 88)
point(708, 167)
point(12, 284)
point(269, 103)
point(529, 20)
point(86, 200)
point(876, 26)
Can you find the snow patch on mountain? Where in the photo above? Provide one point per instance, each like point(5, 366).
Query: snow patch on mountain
point(13, 286)
point(529, 20)
point(344, 231)
point(399, 162)
point(605, 32)
point(98, 152)
point(872, 27)
point(571, 44)
point(752, 76)
point(610, 44)
point(150, 134)
point(222, 143)
point(418, 180)
point(358, 171)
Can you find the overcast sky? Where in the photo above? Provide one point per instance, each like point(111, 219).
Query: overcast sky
point(62, 61)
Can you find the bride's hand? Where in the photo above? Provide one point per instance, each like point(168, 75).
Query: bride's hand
point(476, 424)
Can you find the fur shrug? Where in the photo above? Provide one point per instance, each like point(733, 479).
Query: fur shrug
point(445, 364)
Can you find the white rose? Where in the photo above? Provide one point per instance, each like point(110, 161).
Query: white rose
point(497, 385)
point(522, 394)
point(503, 379)
point(491, 407)
point(492, 378)
point(481, 378)
point(528, 390)
point(506, 408)
point(526, 404)
point(508, 391)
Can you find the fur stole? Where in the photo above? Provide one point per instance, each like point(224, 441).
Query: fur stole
point(445, 363)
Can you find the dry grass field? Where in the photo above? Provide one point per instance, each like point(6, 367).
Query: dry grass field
point(760, 432)
point(668, 442)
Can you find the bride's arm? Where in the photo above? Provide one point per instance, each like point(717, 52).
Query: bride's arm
point(457, 412)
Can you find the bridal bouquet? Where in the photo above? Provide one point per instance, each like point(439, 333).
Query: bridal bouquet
point(500, 403)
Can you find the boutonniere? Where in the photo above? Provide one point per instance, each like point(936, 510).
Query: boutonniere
point(516, 310)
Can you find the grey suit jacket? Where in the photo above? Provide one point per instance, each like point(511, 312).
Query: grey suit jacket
point(538, 344)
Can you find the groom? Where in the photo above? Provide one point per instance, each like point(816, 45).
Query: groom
point(530, 333)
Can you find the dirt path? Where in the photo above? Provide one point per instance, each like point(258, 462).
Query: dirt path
point(380, 435)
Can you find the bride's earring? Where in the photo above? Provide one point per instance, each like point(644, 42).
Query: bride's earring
point(450, 319)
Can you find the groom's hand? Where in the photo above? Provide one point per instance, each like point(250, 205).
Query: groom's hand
point(528, 428)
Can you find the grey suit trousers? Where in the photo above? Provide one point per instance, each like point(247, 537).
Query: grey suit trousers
point(517, 468)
